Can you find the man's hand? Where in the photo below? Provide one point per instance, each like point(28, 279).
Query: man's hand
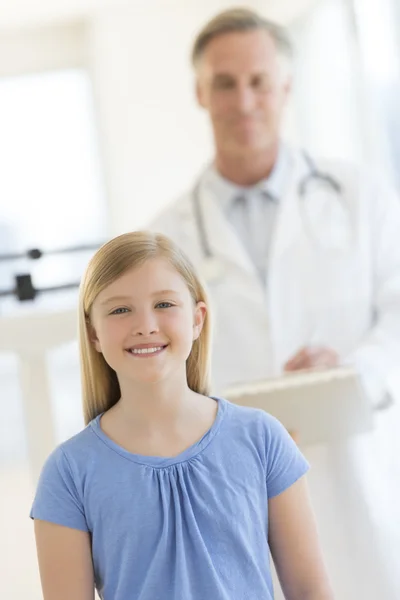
point(312, 358)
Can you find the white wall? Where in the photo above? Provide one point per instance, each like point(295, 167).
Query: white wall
point(41, 48)
point(153, 137)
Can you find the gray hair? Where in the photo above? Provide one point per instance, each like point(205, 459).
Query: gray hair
point(241, 20)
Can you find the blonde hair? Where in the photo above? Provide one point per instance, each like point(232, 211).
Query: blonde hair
point(240, 20)
point(100, 387)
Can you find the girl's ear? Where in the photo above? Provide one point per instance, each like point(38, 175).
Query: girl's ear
point(93, 336)
point(200, 313)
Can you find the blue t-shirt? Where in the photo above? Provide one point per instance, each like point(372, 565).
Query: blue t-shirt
point(192, 527)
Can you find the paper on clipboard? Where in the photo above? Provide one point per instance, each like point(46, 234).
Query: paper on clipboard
point(323, 406)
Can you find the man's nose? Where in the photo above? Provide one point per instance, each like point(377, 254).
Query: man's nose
point(245, 98)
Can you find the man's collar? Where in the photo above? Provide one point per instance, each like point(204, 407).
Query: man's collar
point(226, 191)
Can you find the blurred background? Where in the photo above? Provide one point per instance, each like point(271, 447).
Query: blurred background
point(99, 129)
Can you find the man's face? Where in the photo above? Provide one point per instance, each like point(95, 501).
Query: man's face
point(242, 84)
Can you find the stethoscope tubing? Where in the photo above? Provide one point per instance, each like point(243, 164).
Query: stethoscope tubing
point(313, 174)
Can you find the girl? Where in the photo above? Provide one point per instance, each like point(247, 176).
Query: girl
point(168, 493)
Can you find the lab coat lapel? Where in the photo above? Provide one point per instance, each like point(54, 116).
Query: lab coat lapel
point(285, 259)
point(288, 222)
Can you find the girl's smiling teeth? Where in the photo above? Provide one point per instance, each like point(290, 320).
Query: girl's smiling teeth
point(146, 350)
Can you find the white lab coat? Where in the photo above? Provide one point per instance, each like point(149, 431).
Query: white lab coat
point(347, 300)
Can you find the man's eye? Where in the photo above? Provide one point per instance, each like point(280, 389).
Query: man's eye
point(224, 84)
point(119, 311)
point(262, 83)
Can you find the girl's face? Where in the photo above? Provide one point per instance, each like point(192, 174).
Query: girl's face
point(145, 322)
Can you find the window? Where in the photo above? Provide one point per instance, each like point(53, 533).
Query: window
point(51, 189)
point(379, 45)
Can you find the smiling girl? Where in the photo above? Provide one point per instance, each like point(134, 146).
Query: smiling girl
point(168, 493)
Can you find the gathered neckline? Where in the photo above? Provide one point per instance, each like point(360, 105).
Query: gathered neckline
point(161, 461)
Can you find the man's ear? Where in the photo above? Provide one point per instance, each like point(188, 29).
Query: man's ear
point(287, 88)
point(199, 318)
point(200, 94)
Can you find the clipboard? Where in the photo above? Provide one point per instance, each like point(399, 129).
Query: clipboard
point(323, 406)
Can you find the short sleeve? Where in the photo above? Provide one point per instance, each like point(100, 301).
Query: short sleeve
point(57, 499)
point(285, 464)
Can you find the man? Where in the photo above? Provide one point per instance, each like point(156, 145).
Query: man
point(302, 256)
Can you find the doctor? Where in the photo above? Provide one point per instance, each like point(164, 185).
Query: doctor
point(302, 256)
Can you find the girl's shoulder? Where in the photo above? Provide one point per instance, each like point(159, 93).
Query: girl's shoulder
point(60, 490)
point(74, 454)
point(255, 419)
point(268, 439)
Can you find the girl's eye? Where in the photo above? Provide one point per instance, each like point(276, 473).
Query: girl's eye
point(119, 311)
point(164, 305)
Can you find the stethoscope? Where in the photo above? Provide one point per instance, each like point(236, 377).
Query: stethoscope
point(213, 268)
